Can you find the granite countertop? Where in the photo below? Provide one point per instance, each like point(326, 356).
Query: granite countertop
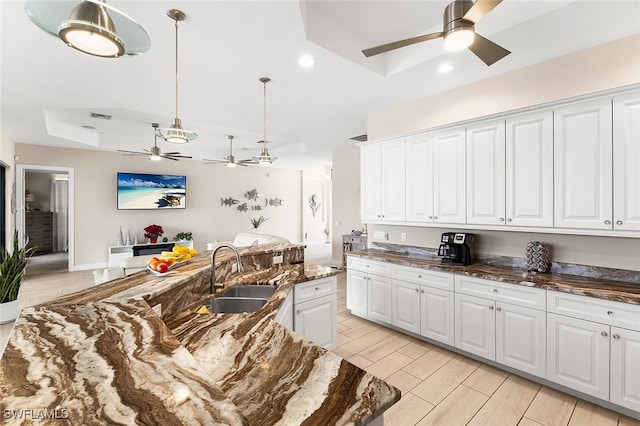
point(620, 291)
point(104, 356)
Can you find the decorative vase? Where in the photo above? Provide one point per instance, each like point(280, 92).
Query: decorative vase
point(537, 257)
point(9, 311)
point(153, 240)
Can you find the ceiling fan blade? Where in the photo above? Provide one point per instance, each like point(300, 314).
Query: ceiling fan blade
point(215, 161)
point(167, 154)
point(401, 43)
point(132, 152)
point(170, 158)
point(479, 9)
point(486, 50)
point(246, 162)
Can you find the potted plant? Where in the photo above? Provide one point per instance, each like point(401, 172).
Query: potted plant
point(257, 221)
point(12, 266)
point(152, 232)
point(183, 236)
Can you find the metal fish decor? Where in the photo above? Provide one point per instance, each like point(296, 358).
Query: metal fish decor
point(256, 207)
point(228, 201)
point(273, 202)
point(243, 207)
point(252, 195)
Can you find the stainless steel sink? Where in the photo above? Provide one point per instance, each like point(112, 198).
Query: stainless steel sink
point(235, 305)
point(255, 291)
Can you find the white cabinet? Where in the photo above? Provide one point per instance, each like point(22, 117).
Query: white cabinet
point(583, 165)
point(406, 306)
point(383, 181)
point(419, 178)
point(625, 368)
point(379, 298)
point(510, 171)
point(510, 333)
point(285, 314)
point(315, 306)
point(357, 292)
point(361, 275)
point(626, 158)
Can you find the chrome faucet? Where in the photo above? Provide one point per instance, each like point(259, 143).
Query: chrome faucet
point(213, 263)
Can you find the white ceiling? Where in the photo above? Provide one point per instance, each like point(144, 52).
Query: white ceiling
point(225, 46)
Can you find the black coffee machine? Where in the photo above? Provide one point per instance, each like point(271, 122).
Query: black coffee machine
point(456, 248)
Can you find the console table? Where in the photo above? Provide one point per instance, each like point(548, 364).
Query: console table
point(117, 254)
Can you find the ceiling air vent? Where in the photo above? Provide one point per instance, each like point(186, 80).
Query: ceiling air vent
point(100, 116)
point(361, 138)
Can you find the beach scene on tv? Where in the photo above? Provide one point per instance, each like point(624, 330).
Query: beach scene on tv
point(147, 191)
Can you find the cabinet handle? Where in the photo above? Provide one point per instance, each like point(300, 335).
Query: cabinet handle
point(298, 311)
point(381, 215)
point(495, 290)
point(616, 336)
point(491, 308)
point(419, 276)
point(417, 290)
point(430, 217)
point(604, 334)
point(421, 291)
point(610, 313)
point(618, 222)
point(607, 222)
point(498, 309)
point(509, 219)
point(435, 218)
point(366, 266)
point(501, 219)
point(317, 289)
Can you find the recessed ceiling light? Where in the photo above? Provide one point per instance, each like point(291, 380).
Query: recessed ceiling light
point(445, 68)
point(306, 61)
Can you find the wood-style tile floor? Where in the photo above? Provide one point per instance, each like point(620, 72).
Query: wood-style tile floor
point(440, 387)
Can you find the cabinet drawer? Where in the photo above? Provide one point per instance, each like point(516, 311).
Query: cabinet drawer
point(426, 277)
point(313, 289)
point(608, 312)
point(369, 266)
point(515, 294)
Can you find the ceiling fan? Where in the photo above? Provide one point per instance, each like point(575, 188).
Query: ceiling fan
point(230, 161)
point(154, 153)
point(458, 31)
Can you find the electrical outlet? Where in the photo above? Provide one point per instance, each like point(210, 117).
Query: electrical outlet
point(403, 236)
point(277, 260)
point(380, 235)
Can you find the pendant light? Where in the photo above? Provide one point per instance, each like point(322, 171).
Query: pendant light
point(175, 133)
point(90, 26)
point(264, 157)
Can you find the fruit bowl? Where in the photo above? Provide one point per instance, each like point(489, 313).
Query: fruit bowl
point(160, 274)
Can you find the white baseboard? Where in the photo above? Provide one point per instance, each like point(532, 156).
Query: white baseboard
point(90, 266)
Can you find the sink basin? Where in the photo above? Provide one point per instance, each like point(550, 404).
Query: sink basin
point(235, 305)
point(255, 291)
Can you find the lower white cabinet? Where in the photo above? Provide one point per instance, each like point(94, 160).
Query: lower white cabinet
point(379, 298)
point(625, 368)
point(406, 306)
point(285, 315)
point(315, 311)
point(475, 326)
point(521, 338)
point(357, 292)
point(437, 314)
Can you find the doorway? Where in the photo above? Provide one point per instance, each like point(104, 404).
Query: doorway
point(44, 204)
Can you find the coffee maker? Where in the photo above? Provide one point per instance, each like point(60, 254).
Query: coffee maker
point(456, 248)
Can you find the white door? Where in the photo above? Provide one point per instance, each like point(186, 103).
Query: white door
point(475, 325)
point(583, 165)
point(405, 308)
point(486, 173)
point(437, 314)
point(419, 179)
point(370, 182)
point(625, 368)
point(379, 298)
point(529, 170)
point(449, 196)
point(578, 354)
point(316, 320)
point(521, 338)
point(626, 161)
point(393, 180)
point(357, 292)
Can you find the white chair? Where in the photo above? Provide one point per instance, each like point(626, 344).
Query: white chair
point(128, 266)
point(246, 239)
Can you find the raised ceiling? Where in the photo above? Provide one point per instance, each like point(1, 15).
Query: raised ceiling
point(50, 90)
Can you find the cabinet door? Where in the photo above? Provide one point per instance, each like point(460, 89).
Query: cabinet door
point(578, 354)
point(393, 180)
point(475, 325)
point(449, 197)
point(521, 338)
point(405, 310)
point(379, 298)
point(316, 320)
point(486, 173)
point(583, 165)
point(370, 182)
point(419, 179)
point(437, 314)
point(357, 292)
point(529, 170)
point(625, 368)
point(626, 158)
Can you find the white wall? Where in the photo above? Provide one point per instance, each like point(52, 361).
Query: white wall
point(97, 220)
point(316, 181)
point(7, 159)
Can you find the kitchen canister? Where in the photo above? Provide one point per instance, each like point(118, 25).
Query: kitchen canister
point(537, 257)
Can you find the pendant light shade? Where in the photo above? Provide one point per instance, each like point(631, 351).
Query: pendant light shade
point(175, 133)
point(91, 26)
point(264, 157)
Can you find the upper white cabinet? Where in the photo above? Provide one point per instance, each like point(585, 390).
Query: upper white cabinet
point(583, 165)
point(626, 161)
point(383, 181)
point(419, 178)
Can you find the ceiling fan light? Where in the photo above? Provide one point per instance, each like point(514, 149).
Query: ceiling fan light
point(458, 39)
point(155, 157)
point(91, 30)
point(230, 164)
point(176, 134)
point(264, 157)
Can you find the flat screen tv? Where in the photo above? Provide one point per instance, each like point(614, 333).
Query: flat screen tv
point(139, 191)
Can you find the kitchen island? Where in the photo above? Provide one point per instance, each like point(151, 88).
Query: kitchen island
point(134, 350)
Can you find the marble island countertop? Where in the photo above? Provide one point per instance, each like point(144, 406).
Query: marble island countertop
point(609, 289)
point(104, 356)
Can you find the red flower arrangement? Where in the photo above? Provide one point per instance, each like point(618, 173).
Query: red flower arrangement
point(153, 232)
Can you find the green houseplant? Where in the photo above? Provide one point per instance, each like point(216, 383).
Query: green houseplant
point(183, 236)
point(257, 221)
point(12, 266)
